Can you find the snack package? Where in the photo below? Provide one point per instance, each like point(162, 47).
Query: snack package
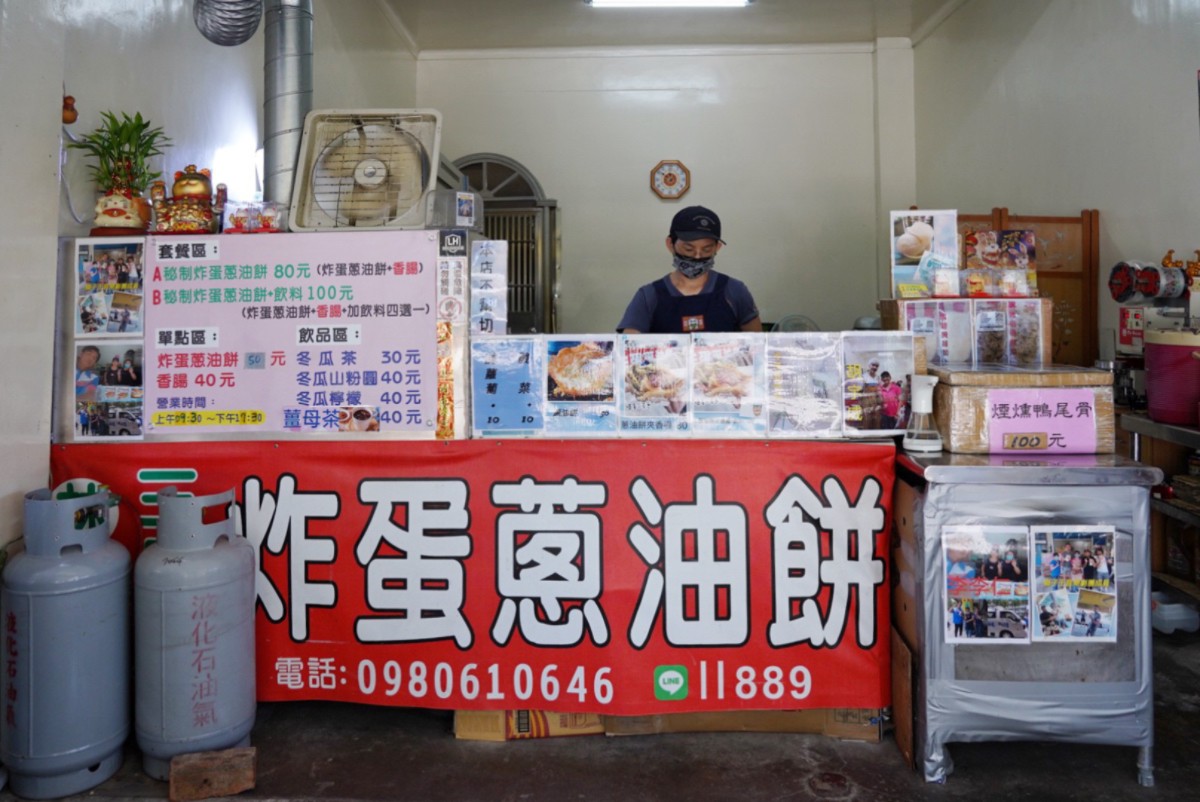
point(990, 319)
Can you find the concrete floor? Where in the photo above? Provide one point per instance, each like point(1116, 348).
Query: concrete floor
point(328, 751)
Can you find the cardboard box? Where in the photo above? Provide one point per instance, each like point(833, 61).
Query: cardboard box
point(903, 694)
point(1187, 488)
point(508, 725)
point(846, 723)
point(975, 419)
point(905, 568)
point(1181, 552)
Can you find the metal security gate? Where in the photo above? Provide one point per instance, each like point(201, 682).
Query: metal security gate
point(520, 228)
point(516, 210)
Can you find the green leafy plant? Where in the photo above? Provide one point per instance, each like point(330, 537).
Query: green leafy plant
point(121, 149)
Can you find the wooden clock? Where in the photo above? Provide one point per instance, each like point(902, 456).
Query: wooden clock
point(670, 179)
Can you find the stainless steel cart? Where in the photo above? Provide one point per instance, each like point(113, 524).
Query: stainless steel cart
point(1074, 691)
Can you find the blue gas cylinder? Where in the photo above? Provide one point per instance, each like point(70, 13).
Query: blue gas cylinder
point(193, 633)
point(65, 608)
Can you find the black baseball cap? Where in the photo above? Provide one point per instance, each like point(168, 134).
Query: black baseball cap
point(696, 222)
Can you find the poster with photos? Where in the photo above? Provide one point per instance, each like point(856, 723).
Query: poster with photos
point(109, 394)
point(728, 384)
point(878, 368)
point(987, 584)
point(653, 384)
point(804, 384)
point(1074, 588)
point(581, 398)
point(109, 275)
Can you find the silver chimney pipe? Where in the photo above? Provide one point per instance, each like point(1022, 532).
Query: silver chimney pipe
point(288, 89)
point(287, 72)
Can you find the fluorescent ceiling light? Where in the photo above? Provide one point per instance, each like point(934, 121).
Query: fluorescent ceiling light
point(670, 3)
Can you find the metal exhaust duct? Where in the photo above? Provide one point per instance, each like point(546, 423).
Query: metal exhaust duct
point(288, 90)
point(287, 73)
point(227, 22)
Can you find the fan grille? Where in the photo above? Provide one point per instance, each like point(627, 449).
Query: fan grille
point(366, 170)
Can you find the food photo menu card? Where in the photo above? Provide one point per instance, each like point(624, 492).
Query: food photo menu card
point(654, 384)
point(728, 386)
point(581, 399)
point(507, 387)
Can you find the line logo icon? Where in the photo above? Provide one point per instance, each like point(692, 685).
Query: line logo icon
point(670, 683)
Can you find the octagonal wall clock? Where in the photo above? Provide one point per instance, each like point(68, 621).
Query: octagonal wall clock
point(670, 179)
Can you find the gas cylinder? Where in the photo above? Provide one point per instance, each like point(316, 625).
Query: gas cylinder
point(65, 607)
point(193, 633)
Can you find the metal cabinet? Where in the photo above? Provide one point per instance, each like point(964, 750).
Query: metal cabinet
point(1083, 692)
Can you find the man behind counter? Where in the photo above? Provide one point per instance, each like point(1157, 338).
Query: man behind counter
point(693, 297)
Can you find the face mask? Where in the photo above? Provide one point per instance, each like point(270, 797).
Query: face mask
point(128, 364)
point(692, 267)
point(1008, 556)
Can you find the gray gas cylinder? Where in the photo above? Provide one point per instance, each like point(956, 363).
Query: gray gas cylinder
point(64, 603)
point(193, 633)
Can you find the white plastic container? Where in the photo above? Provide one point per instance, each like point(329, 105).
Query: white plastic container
point(1167, 616)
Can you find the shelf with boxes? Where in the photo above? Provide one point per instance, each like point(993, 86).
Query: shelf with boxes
point(1175, 509)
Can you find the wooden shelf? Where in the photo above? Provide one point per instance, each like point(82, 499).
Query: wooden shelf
point(1182, 585)
point(1187, 514)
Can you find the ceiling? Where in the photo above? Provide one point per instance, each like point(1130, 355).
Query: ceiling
point(487, 24)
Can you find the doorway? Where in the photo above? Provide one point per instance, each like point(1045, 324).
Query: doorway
point(515, 209)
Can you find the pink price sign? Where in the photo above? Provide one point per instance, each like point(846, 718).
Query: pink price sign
point(1054, 420)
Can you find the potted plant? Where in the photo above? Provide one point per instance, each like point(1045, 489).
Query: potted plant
point(121, 149)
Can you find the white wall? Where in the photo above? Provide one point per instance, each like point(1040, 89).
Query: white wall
point(132, 55)
point(780, 143)
point(1053, 106)
point(31, 43)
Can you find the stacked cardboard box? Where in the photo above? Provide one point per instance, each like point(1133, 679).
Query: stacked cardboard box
point(976, 411)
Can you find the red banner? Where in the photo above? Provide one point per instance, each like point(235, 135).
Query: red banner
point(620, 577)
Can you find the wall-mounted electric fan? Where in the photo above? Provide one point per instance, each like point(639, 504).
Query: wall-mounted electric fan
point(365, 169)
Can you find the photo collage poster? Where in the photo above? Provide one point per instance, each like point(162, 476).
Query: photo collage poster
point(804, 393)
point(581, 399)
point(107, 329)
point(728, 384)
point(108, 389)
point(878, 374)
point(1074, 588)
point(987, 584)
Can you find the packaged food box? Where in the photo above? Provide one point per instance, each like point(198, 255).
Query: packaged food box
point(1005, 409)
